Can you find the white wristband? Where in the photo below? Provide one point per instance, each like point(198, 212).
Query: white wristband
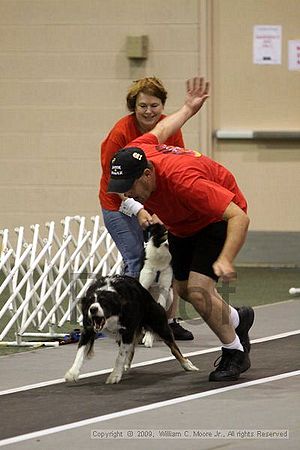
point(130, 207)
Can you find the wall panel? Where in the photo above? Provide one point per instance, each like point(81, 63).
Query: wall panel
point(249, 96)
point(64, 75)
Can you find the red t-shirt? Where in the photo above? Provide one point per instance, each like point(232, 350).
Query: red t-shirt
point(192, 190)
point(124, 131)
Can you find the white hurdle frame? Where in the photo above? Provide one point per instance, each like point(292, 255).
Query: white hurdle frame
point(43, 277)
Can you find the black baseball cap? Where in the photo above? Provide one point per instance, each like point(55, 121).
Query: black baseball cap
point(126, 166)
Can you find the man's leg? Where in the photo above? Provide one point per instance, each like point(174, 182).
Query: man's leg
point(201, 292)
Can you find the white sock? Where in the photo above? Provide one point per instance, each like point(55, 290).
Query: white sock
point(235, 345)
point(234, 317)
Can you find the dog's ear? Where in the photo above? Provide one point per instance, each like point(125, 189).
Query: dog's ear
point(153, 228)
point(148, 232)
point(99, 282)
point(85, 304)
point(157, 233)
point(156, 229)
point(91, 289)
point(110, 303)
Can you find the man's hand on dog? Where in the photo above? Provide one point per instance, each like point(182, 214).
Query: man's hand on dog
point(145, 219)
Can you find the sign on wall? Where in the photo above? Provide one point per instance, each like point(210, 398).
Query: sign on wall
point(267, 44)
point(294, 55)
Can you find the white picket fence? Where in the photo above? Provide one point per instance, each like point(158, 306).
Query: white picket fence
point(46, 275)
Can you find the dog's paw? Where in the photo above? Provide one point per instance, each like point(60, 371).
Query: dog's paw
point(189, 366)
point(148, 339)
point(113, 378)
point(71, 376)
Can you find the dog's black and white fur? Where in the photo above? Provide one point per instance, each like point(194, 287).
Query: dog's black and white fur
point(156, 274)
point(121, 305)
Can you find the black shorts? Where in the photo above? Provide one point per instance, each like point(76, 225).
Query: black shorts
point(197, 253)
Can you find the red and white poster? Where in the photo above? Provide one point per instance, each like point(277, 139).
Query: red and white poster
point(267, 44)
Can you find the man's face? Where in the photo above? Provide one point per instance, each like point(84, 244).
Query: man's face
point(142, 188)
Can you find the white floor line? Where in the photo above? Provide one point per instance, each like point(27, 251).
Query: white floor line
point(266, 305)
point(127, 412)
point(278, 336)
point(142, 364)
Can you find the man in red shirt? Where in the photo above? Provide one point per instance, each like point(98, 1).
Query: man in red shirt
point(205, 213)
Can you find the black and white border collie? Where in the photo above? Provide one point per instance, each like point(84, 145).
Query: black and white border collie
point(156, 274)
point(122, 306)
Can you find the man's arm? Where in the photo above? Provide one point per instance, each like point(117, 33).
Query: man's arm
point(130, 207)
point(237, 226)
point(197, 93)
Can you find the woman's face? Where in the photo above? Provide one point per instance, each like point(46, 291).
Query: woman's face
point(148, 110)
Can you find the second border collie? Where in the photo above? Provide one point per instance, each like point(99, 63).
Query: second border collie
point(156, 275)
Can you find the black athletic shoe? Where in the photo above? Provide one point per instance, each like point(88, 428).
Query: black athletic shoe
point(246, 314)
point(232, 364)
point(179, 333)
